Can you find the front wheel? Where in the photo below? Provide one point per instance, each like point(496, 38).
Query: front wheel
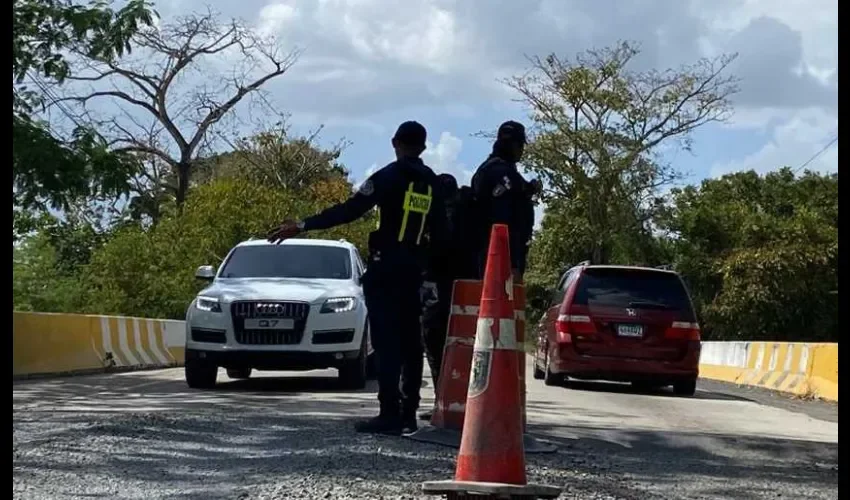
point(352, 374)
point(200, 374)
point(239, 373)
point(371, 358)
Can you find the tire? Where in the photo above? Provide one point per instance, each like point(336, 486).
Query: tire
point(371, 360)
point(352, 374)
point(549, 378)
point(239, 373)
point(371, 367)
point(645, 386)
point(200, 375)
point(687, 388)
point(538, 373)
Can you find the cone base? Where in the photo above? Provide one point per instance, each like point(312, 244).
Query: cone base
point(448, 437)
point(460, 489)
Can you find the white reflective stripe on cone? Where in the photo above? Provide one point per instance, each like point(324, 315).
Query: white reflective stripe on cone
point(484, 339)
point(519, 314)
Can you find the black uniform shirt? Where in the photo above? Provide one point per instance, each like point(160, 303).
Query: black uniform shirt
point(412, 212)
point(502, 196)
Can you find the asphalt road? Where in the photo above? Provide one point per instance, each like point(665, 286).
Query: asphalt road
point(145, 435)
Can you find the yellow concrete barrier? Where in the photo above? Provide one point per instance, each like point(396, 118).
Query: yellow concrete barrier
point(61, 343)
point(823, 376)
point(803, 369)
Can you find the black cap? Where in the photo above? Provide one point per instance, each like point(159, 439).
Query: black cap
point(411, 133)
point(448, 181)
point(511, 131)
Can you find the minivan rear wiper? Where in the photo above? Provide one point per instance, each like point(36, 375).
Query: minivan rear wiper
point(649, 305)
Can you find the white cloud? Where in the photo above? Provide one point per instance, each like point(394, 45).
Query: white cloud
point(366, 61)
point(274, 18)
point(793, 143)
point(443, 158)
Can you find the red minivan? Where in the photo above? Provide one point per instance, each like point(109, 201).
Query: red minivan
point(623, 324)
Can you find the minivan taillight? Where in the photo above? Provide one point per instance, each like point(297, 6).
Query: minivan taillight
point(572, 325)
point(681, 330)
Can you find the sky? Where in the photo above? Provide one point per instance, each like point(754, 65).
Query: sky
point(368, 65)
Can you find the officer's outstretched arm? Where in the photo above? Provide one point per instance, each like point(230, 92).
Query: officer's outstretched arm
point(350, 210)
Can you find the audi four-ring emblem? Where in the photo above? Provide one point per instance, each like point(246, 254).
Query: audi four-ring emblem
point(269, 308)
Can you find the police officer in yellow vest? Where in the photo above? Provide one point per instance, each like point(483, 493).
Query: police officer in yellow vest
point(409, 237)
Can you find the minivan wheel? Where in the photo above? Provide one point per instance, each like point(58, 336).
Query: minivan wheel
point(200, 374)
point(645, 386)
point(687, 388)
point(538, 373)
point(352, 374)
point(239, 373)
point(549, 378)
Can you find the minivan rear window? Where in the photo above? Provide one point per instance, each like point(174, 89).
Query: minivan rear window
point(633, 288)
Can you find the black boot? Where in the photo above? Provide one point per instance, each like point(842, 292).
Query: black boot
point(386, 423)
point(408, 422)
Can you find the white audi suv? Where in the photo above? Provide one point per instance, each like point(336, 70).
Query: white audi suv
point(297, 305)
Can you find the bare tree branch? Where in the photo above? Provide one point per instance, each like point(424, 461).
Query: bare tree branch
point(172, 78)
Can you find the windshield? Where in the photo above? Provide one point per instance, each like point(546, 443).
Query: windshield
point(635, 288)
point(288, 261)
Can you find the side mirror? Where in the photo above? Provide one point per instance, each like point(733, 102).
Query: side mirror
point(205, 273)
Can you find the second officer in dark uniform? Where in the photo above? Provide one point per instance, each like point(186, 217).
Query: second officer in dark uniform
point(410, 233)
point(503, 196)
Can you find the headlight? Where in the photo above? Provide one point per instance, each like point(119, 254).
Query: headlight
point(338, 305)
point(208, 304)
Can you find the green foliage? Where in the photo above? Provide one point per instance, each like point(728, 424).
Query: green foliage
point(40, 282)
point(48, 169)
point(151, 272)
point(761, 254)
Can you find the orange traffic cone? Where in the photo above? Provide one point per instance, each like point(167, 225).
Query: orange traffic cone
point(491, 460)
point(450, 401)
point(449, 409)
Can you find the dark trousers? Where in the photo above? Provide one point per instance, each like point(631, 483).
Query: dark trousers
point(391, 291)
point(435, 325)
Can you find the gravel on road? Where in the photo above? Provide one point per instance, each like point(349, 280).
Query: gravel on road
point(144, 435)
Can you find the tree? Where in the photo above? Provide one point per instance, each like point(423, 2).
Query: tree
point(150, 272)
point(40, 279)
point(598, 126)
point(50, 170)
point(760, 254)
point(277, 159)
point(164, 121)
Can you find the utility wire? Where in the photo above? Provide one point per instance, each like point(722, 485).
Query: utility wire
point(816, 155)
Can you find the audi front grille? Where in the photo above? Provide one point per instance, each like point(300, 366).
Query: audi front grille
point(269, 309)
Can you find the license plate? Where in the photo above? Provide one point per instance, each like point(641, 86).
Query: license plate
point(633, 331)
point(270, 324)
